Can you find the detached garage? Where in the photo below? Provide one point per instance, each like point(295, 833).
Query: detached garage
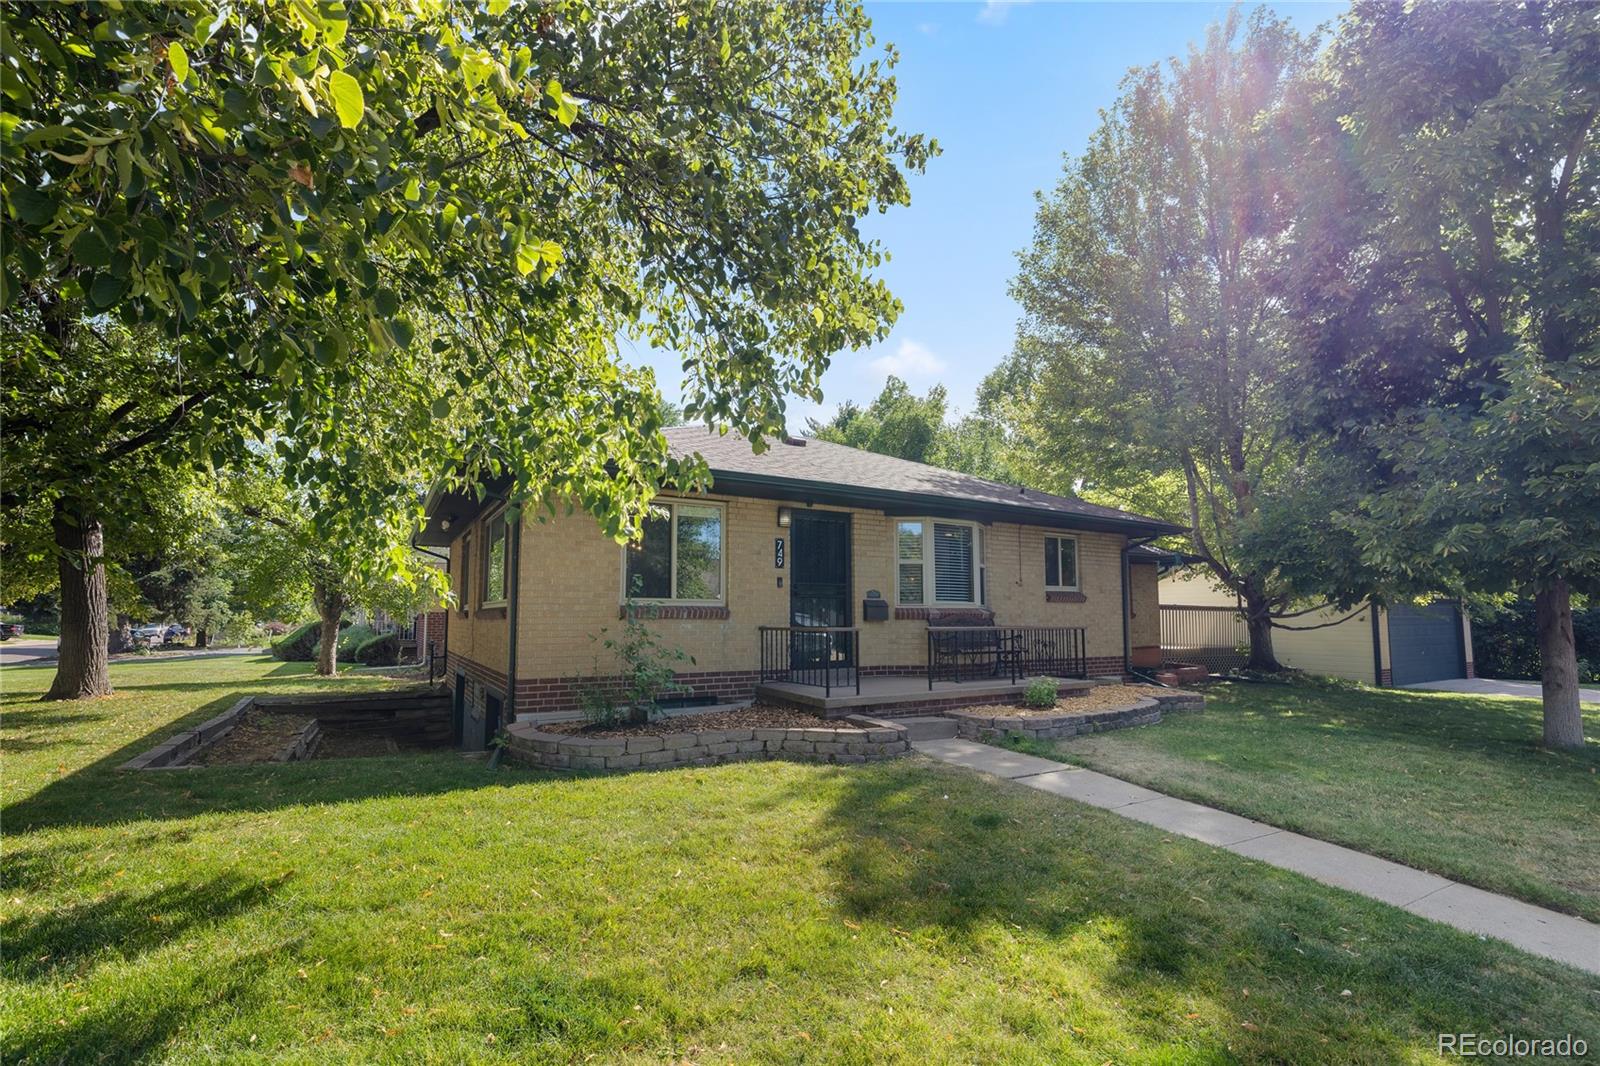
point(1426, 643)
point(1398, 645)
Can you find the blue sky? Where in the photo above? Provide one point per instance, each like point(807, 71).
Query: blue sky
point(1006, 88)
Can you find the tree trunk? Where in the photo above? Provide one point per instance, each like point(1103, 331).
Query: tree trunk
point(83, 659)
point(328, 651)
point(1558, 667)
point(201, 638)
point(330, 605)
point(1258, 620)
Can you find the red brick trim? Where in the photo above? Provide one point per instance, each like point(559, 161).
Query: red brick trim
point(1058, 596)
point(486, 675)
point(651, 612)
point(1386, 679)
point(1472, 670)
point(542, 694)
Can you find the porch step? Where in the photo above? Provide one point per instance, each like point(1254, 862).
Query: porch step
point(928, 727)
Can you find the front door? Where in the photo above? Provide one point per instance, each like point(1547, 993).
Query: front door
point(819, 582)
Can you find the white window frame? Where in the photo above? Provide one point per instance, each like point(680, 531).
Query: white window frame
point(672, 505)
point(980, 562)
point(488, 551)
point(1077, 562)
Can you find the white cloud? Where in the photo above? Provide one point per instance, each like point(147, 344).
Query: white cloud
point(928, 28)
point(994, 12)
point(909, 361)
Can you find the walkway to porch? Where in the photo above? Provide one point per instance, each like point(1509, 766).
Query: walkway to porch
point(898, 695)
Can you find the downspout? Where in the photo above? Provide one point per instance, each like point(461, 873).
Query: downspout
point(1377, 647)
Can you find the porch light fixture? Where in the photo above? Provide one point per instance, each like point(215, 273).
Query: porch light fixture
point(783, 517)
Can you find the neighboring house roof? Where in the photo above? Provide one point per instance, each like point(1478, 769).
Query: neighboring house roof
point(815, 471)
point(809, 469)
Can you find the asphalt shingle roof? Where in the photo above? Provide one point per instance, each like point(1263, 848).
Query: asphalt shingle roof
point(838, 467)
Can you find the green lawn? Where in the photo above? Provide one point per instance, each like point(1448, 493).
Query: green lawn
point(429, 909)
point(1449, 783)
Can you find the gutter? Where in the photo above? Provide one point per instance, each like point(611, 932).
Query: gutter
point(917, 503)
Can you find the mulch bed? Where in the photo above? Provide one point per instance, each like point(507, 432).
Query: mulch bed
point(257, 737)
point(755, 716)
point(1099, 698)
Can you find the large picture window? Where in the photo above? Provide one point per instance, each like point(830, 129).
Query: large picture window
point(939, 562)
point(494, 561)
point(678, 556)
point(1061, 563)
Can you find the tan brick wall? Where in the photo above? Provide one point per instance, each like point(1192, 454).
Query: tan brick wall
point(476, 633)
point(1144, 627)
point(572, 590)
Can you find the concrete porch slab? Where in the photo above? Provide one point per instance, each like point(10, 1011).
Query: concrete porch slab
point(884, 694)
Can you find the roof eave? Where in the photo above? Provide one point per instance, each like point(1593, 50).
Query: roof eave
point(891, 501)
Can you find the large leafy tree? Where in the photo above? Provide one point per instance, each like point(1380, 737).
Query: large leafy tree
point(1152, 348)
point(1445, 285)
point(434, 210)
point(896, 422)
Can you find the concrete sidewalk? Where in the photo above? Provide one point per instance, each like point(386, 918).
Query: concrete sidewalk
point(1533, 929)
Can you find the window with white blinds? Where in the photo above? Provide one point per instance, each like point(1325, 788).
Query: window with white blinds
point(938, 562)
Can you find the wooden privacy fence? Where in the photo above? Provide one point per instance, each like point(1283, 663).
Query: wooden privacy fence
point(1214, 637)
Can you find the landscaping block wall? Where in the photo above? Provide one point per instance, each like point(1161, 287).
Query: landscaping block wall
point(856, 740)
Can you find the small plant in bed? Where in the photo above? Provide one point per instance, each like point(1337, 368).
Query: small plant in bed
point(1041, 693)
point(649, 672)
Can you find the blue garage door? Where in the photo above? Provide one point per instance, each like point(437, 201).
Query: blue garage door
point(1425, 643)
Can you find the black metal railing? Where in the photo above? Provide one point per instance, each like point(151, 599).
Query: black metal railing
point(985, 653)
point(435, 661)
point(1214, 637)
point(825, 657)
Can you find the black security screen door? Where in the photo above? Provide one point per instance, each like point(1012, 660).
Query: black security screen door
point(819, 569)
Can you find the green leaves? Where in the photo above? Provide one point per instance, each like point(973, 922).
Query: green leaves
point(562, 106)
point(348, 101)
point(178, 58)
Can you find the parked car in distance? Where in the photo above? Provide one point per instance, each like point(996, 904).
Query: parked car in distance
point(10, 629)
point(150, 632)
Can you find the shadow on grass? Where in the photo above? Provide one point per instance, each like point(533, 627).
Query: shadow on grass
point(1169, 925)
point(133, 1025)
point(99, 793)
point(131, 924)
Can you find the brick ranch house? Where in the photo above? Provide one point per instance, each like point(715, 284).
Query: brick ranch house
point(811, 566)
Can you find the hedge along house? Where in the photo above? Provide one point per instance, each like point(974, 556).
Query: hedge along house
point(811, 569)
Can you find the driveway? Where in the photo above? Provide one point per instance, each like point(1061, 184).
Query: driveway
point(1483, 686)
point(28, 651)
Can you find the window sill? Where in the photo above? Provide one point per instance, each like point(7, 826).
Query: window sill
point(945, 613)
point(1064, 596)
point(491, 613)
point(651, 612)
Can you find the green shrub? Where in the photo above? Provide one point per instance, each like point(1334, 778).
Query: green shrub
point(1041, 693)
point(352, 637)
point(381, 649)
point(299, 645)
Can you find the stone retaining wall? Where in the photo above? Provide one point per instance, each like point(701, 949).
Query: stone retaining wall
point(1145, 711)
point(863, 739)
